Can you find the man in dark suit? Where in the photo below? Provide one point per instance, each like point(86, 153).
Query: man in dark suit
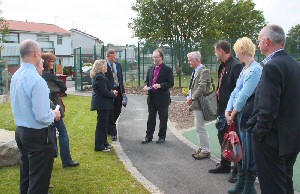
point(275, 119)
point(115, 78)
point(228, 73)
point(158, 82)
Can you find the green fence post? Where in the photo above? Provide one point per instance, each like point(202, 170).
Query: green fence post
point(75, 75)
point(139, 64)
point(125, 63)
point(95, 53)
point(102, 51)
point(80, 68)
point(143, 64)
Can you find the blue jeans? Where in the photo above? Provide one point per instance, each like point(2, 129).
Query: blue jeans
point(64, 142)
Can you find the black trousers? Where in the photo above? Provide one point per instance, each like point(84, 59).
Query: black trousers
point(114, 114)
point(163, 119)
point(222, 127)
point(37, 157)
point(275, 173)
point(101, 129)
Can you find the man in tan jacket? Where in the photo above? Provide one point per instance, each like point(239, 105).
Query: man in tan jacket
point(199, 85)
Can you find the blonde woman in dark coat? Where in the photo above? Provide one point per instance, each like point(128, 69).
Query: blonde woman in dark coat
point(102, 101)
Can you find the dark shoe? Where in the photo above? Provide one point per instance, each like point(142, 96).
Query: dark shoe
point(202, 155)
point(233, 177)
point(102, 150)
point(72, 164)
point(220, 169)
point(114, 138)
point(198, 151)
point(107, 145)
point(160, 140)
point(146, 140)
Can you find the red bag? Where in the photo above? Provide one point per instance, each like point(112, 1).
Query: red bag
point(232, 147)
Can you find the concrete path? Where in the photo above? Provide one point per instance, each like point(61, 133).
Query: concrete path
point(168, 166)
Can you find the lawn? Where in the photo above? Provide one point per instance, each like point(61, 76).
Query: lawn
point(98, 172)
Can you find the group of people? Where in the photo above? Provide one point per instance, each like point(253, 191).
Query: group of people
point(107, 99)
point(259, 98)
point(35, 92)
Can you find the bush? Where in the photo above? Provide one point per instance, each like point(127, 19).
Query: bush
point(67, 70)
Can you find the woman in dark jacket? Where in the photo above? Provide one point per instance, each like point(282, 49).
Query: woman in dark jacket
point(102, 101)
point(57, 86)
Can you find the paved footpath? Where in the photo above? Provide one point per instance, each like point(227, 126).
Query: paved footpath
point(167, 167)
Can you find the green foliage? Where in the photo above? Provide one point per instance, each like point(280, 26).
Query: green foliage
point(193, 25)
point(4, 30)
point(67, 70)
point(87, 64)
point(293, 40)
point(98, 172)
point(185, 91)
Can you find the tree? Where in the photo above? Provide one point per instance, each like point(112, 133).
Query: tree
point(172, 22)
point(293, 39)
point(3, 29)
point(188, 25)
point(233, 20)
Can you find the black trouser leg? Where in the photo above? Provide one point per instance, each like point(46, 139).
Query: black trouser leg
point(274, 172)
point(37, 150)
point(101, 129)
point(221, 134)
point(163, 120)
point(151, 123)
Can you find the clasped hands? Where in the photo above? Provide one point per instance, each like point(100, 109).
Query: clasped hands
point(155, 86)
point(230, 116)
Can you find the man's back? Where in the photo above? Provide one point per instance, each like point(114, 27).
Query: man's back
point(278, 97)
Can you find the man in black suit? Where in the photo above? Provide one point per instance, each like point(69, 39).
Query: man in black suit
point(158, 82)
point(115, 78)
point(228, 73)
point(275, 119)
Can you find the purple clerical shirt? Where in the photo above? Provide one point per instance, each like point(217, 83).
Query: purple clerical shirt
point(157, 70)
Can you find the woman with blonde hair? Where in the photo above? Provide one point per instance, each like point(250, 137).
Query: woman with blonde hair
point(102, 101)
point(239, 109)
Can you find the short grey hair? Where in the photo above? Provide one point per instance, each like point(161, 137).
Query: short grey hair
point(195, 55)
point(275, 33)
point(97, 67)
point(28, 47)
point(110, 52)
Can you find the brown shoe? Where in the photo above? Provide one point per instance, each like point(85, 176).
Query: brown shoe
point(198, 152)
point(202, 155)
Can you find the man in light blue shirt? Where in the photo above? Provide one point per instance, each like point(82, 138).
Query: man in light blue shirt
point(32, 114)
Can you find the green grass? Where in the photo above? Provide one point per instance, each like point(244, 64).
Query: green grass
point(98, 172)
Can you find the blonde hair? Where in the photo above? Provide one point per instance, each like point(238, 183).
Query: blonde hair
point(245, 45)
point(97, 67)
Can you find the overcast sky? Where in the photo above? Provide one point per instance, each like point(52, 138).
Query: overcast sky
point(108, 19)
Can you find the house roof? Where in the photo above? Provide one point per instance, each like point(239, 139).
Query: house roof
point(85, 34)
point(36, 27)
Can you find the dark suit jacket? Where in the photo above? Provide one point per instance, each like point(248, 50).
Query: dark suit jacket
point(232, 72)
point(161, 97)
point(276, 115)
point(102, 98)
point(110, 77)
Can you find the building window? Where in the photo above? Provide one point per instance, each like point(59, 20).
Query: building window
point(59, 39)
point(42, 38)
point(11, 38)
point(13, 61)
